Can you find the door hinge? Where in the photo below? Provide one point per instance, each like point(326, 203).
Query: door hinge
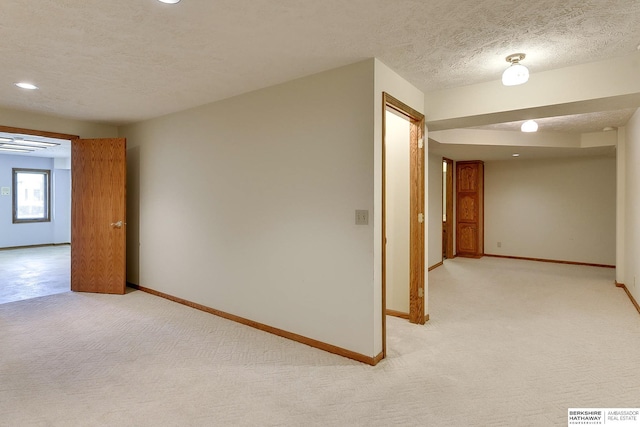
point(420, 217)
point(421, 143)
point(420, 292)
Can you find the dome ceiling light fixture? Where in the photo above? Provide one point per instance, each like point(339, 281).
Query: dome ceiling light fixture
point(25, 85)
point(516, 73)
point(529, 126)
point(169, 1)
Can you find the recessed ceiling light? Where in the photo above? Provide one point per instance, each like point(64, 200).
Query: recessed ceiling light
point(169, 1)
point(515, 155)
point(25, 85)
point(529, 126)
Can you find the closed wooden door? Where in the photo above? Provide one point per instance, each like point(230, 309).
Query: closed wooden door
point(98, 228)
point(470, 208)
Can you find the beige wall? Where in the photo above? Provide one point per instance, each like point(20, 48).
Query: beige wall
point(397, 181)
point(435, 210)
point(248, 206)
point(559, 209)
point(632, 207)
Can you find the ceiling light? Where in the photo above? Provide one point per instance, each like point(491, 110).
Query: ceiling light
point(15, 150)
point(20, 144)
point(40, 143)
point(33, 144)
point(529, 126)
point(607, 129)
point(169, 1)
point(515, 155)
point(21, 147)
point(517, 73)
point(25, 85)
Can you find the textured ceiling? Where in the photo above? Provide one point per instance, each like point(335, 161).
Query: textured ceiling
point(121, 61)
point(577, 123)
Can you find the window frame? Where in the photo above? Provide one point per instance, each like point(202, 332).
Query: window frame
point(47, 195)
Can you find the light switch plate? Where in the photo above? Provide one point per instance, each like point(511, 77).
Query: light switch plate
point(362, 217)
point(5, 191)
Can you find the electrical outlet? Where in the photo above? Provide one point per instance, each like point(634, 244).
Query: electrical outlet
point(362, 217)
point(499, 244)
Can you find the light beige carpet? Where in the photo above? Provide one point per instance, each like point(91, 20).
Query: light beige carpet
point(509, 343)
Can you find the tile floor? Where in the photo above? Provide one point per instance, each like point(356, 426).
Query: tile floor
point(34, 272)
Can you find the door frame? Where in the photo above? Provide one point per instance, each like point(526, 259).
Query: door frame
point(417, 206)
point(46, 134)
point(9, 129)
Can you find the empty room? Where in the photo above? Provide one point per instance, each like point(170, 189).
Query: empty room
point(231, 254)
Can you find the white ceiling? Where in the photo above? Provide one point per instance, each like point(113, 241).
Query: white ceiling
point(122, 61)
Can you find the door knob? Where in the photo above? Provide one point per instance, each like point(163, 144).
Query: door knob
point(116, 224)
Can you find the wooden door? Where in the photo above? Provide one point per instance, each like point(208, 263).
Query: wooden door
point(98, 228)
point(470, 208)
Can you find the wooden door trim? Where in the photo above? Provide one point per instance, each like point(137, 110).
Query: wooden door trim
point(416, 228)
point(417, 261)
point(9, 129)
point(266, 328)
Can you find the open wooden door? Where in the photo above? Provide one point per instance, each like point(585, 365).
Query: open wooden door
point(98, 228)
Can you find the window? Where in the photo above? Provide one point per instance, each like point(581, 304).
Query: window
point(31, 195)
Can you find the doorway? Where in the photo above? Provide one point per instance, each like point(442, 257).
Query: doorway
point(447, 209)
point(397, 203)
point(96, 215)
point(403, 213)
point(35, 172)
